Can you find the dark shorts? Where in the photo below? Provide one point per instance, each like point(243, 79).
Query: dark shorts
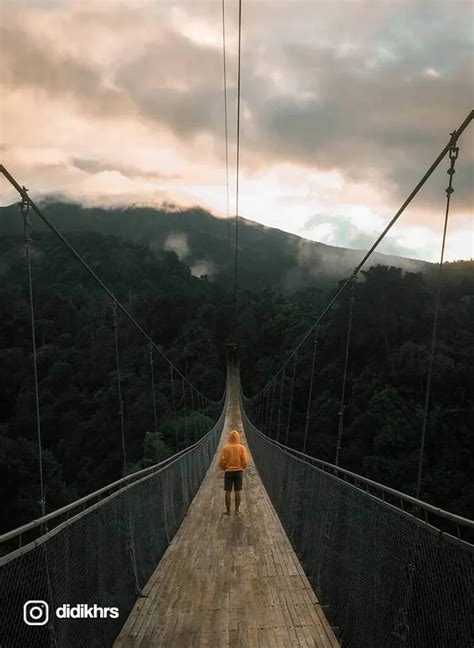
point(234, 478)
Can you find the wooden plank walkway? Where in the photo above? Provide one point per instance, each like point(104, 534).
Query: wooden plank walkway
point(228, 581)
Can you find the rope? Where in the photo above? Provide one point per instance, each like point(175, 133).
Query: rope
point(226, 127)
point(237, 177)
point(453, 155)
point(24, 208)
point(344, 377)
point(119, 387)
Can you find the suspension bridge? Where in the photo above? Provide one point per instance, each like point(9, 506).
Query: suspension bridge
point(321, 557)
point(239, 581)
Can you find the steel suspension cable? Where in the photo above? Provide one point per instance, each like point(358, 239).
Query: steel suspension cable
point(279, 405)
point(265, 409)
point(173, 400)
point(172, 390)
point(24, 195)
point(194, 421)
point(290, 407)
point(454, 136)
point(453, 155)
point(237, 179)
point(226, 127)
point(186, 443)
point(152, 372)
point(201, 407)
point(265, 412)
point(25, 208)
point(272, 406)
point(259, 409)
point(310, 392)
point(342, 405)
point(119, 388)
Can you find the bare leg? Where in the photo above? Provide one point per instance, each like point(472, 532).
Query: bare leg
point(227, 502)
point(237, 501)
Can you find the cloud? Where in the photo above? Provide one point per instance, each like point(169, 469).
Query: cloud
point(93, 166)
point(179, 88)
point(358, 230)
point(178, 242)
point(37, 64)
point(202, 267)
point(343, 104)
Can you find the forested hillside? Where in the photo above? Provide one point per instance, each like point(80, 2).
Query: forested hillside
point(192, 318)
point(77, 371)
point(388, 363)
point(268, 257)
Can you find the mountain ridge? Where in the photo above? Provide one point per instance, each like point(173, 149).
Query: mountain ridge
point(267, 256)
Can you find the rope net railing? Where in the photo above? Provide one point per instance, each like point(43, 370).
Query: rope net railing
point(384, 575)
point(101, 556)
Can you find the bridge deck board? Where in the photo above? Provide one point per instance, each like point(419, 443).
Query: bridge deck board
point(228, 581)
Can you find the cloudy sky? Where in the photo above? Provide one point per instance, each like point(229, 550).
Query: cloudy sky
point(345, 104)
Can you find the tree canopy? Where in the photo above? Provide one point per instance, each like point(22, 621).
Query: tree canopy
point(191, 319)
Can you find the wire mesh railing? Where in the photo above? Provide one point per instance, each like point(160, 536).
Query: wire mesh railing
point(385, 576)
point(86, 573)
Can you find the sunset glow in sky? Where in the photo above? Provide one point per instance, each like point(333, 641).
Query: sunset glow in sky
point(345, 104)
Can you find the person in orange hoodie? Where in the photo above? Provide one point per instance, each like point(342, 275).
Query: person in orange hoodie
point(233, 460)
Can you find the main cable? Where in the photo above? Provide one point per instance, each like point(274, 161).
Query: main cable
point(237, 178)
point(24, 194)
point(226, 128)
point(454, 136)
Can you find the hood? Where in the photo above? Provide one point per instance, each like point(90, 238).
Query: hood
point(234, 437)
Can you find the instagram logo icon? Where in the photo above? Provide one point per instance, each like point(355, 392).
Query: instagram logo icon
point(36, 613)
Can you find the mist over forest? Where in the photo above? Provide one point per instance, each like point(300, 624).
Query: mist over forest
point(173, 270)
point(268, 257)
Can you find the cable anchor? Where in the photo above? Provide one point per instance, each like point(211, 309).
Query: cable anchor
point(25, 203)
point(25, 210)
point(453, 156)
